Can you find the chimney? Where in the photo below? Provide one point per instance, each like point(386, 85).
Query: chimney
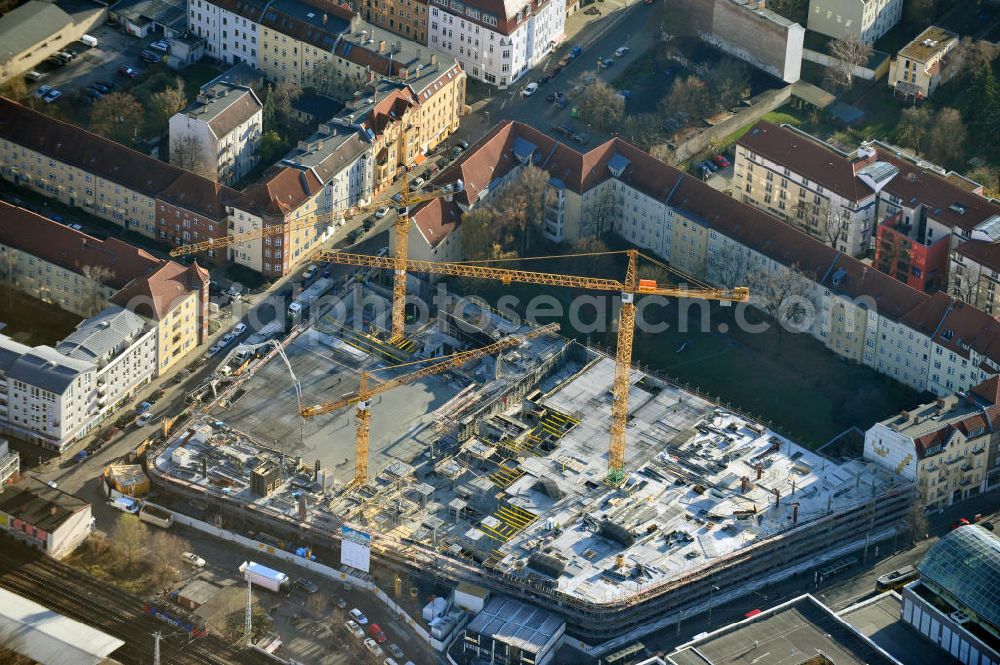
point(204, 467)
point(744, 485)
point(777, 497)
point(760, 470)
point(316, 469)
point(795, 513)
point(381, 46)
point(434, 59)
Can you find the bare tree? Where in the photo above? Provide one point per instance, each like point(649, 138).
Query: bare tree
point(688, 98)
point(186, 152)
point(93, 297)
point(786, 296)
point(946, 143)
point(477, 240)
point(603, 211)
point(117, 116)
point(836, 226)
point(325, 81)
point(963, 286)
point(165, 553)
point(730, 266)
point(913, 127)
point(128, 540)
point(969, 57)
point(171, 100)
point(278, 105)
point(601, 105)
point(533, 185)
point(10, 273)
point(849, 52)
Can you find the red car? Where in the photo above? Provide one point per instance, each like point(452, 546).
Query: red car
point(721, 161)
point(376, 633)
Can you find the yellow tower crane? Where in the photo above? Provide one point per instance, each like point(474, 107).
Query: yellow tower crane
point(406, 200)
point(363, 396)
point(628, 289)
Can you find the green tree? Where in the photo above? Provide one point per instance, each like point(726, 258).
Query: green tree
point(272, 147)
point(989, 178)
point(983, 105)
point(477, 238)
point(168, 102)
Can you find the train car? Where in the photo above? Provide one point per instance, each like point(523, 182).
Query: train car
point(176, 618)
point(896, 579)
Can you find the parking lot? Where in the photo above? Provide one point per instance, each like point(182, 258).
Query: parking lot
point(92, 64)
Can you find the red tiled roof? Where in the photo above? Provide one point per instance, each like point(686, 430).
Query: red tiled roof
point(153, 296)
point(964, 327)
point(982, 252)
point(282, 190)
point(72, 250)
point(806, 157)
point(989, 390)
point(915, 185)
point(436, 220)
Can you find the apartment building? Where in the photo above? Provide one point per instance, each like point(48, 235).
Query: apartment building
point(496, 42)
point(135, 191)
point(919, 67)
point(867, 19)
point(59, 265)
point(45, 517)
point(943, 447)
point(10, 465)
point(406, 18)
point(828, 194)
point(52, 396)
point(975, 268)
point(748, 30)
point(406, 120)
point(122, 348)
point(933, 343)
point(218, 136)
point(901, 252)
point(174, 300)
point(229, 28)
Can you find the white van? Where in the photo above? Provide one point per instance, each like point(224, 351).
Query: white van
point(89, 40)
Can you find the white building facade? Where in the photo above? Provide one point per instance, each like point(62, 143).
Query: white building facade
point(496, 42)
point(867, 19)
point(229, 36)
point(219, 135)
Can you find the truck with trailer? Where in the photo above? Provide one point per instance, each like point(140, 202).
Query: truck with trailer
point(156, 516)
point(262, 576)
point(309, 296)
point(269, 331)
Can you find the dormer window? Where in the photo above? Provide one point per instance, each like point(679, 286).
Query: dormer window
point(617, 165)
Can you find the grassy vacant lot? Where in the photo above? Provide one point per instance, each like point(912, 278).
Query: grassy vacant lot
point(31, 321)
point(790, 380)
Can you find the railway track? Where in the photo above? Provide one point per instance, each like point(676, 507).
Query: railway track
point(107, 608)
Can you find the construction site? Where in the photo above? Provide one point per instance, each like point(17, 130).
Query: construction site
point(493, 468)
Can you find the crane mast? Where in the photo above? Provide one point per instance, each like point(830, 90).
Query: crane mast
point(628, 289)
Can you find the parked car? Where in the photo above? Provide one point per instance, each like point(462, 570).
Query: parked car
point(149, 56)
point(529, 89)
point(215, 348)
point(592, 11)
point(34, 76)
point(309, 272)
point(42, 91)
point(127, 71)
point(381, 212)
point(306, 585)
point(239, 329)
point(359, 616)
point(341, 603)
point(376, 633)
point(373, 647)
point(398, 197)
point(621, 50)
point(160, 45)
point(394, 649)
point(143, 407)
point(605, 63)
point(227, 339)
point(721, 161)
point(417, 182)
point(354, 629)
point(193, 559)
point(143, 419)
point(52, 96)
point(106, 84)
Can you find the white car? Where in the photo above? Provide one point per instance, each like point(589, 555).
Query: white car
point(160, 45)
point(381, 212)
point(226, 339)
point(373, 647)
point(355, 629)
point(144, 419)
point(529, 89)
point(359, 616)
point(621, 50)
point(239, 329)
point(309, 272)
point(193, 559)
point(417, 183)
